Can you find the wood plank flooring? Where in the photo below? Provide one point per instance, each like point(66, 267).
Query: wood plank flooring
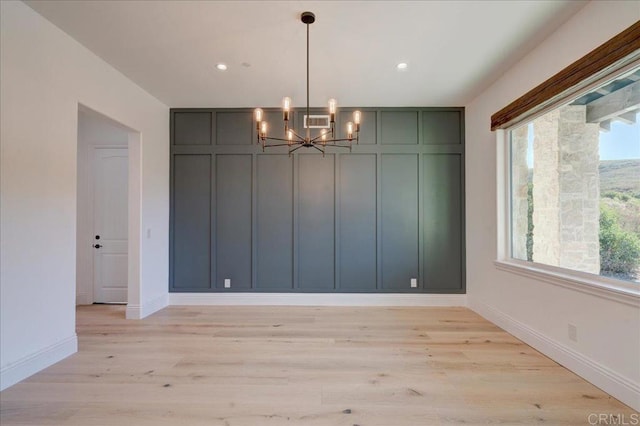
point(242, 366)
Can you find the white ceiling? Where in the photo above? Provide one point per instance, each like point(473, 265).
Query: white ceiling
point(170, 48)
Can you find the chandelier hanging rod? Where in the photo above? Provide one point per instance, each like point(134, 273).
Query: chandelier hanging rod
point(295, 141)
point(308, 18)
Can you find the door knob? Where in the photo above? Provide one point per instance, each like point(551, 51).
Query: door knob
point(97, 245)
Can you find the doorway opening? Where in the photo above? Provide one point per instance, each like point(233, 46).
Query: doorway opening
point(106, 224)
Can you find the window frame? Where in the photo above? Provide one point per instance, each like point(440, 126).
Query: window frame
point(619, 290)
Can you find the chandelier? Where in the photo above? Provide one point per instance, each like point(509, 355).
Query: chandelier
point(327, 123)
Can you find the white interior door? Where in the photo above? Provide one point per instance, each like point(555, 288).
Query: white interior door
point(110, 223)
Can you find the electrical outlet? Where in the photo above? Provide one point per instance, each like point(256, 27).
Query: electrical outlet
point(148, 232)
point(227, 283)
point(414, 283)
point(572, 331)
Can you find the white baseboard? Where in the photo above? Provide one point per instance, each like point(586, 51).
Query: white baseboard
point(83, 299)
point(601, 376)
point(144, 310)
point(318, 299)
point(31, 364)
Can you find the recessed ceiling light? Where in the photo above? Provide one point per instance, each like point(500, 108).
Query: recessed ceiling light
point(221, 67)
point(402, 66)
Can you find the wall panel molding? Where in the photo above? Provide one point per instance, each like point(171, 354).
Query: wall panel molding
point(366, 221)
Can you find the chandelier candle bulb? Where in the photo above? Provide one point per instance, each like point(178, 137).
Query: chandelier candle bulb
point(258, 114)
point(350, 130)
point(332, 110)
point(263, 129)
point(286, 107)
point(356, 119)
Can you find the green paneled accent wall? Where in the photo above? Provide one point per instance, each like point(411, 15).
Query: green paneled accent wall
point(371, 220)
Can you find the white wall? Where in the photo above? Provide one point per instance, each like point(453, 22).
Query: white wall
point(44, 75)
point(93, 130)
point(608, 347)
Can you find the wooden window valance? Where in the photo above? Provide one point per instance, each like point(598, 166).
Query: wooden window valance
point(617, 50)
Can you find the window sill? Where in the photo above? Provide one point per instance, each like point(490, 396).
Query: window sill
point(586, 283)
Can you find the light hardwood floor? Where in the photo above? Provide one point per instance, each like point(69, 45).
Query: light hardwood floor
point(240, 366)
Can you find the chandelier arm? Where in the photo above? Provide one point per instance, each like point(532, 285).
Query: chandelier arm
point(318, 137)
point(341, 140)
point(334, 145)
point(281, 144)
point(332, 139)
point(295, 149)
point(297, 135)
point(269, 138)
point(316, 147)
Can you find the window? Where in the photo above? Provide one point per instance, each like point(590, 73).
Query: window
point(574, 175)
point(570, 150)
